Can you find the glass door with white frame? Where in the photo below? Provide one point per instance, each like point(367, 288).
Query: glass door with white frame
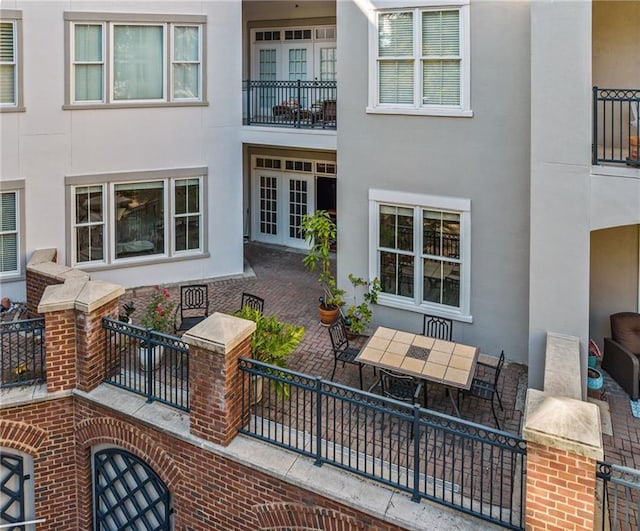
point(280, 203)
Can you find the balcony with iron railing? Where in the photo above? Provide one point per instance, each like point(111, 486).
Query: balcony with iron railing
point(616, 126)
point(297, 104)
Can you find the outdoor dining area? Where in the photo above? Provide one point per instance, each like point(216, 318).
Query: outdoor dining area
point(430, 369)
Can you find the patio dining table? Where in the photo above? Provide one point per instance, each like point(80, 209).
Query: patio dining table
point(426, 358)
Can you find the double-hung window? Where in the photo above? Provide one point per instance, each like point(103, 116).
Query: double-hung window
point(10, 59)
point(421, 251)
point(10, 233)
point(127, 59)
point(420, 61)
point(137, 216)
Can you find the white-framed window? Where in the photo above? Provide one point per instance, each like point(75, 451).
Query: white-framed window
point(10, 237)
point(421, 251)
point(10, 61)
point(127, 59)
point(137, 216)
point(420, 60)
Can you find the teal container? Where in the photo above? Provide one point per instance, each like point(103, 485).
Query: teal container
point(593, 361)
point(595, 379)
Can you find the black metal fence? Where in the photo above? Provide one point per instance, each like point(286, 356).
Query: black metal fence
point(148, 363)
point(616, 126)
point(22, 352)
point(465, 466)
point(301, 104)
point(619, 493)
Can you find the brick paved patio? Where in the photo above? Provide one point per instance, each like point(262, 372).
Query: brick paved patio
point(291, 293)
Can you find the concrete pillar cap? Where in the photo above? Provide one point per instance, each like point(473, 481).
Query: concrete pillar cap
point(563, 423)
point(80, 294)
point(219, 332)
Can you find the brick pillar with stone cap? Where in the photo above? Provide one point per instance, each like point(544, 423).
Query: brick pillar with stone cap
point(564, 442)
point(215, 382)
point(73, 314)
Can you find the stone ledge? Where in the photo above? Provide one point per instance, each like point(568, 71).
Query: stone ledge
point(79, 294)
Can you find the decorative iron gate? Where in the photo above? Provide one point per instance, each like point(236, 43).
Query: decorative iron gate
point(12, 479)
point(128, 494)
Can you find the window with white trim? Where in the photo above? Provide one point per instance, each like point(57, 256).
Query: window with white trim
point(10, 57)
point(138, 219)
point(421, 251)
point(9, 233)
point(123, 59)
point(420, 61)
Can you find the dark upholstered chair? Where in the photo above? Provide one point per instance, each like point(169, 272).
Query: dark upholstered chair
point(621, 358)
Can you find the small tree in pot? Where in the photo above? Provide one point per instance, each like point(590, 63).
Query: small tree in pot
point(320, 231)
point(359, 315)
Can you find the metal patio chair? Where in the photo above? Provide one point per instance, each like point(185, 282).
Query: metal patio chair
point(402, 387)
point(486, 389)
point(193, 307)
point(341, 349)
point(252, 301)
point(439, 327)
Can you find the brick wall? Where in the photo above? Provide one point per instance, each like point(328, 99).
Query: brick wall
point(36, 284)
point(90, 342)
point(210, 492)
point(61, 350)
point(560, 489)
point(45, 431)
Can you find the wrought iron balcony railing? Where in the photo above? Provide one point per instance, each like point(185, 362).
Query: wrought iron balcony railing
point(616, 126)
point(300, 104)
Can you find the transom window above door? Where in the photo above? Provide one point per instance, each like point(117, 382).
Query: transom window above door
point(134, 60)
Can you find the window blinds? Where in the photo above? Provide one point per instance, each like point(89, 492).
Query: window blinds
point(7, 63)
point(8, 232)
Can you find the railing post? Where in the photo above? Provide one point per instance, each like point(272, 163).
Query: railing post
point(415, 430)
point(296, 117)
point(249, 101)
point(149, 363)
point(318, 421)
point(595, 126)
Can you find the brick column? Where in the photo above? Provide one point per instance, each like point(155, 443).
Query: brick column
point(43, 271)
point(563, 445)
point(75, 340)
point(215, 383)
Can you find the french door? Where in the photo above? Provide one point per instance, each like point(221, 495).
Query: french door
point(280, 201)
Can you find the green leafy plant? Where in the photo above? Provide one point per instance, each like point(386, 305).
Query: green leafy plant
point(273, 341)
point(320, 231)
point(359, 315)
point(158, 314)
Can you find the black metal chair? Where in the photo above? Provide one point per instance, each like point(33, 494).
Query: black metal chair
point(439, 327)
point(341, 349)
point(486, 389)
point(253, 301)
point(402, 387)
point(193, 307)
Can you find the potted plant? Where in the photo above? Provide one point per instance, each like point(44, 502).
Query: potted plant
point(272, 342)
point(358, 315)
point(158, 317)
point(320, 231)
point(594, 354)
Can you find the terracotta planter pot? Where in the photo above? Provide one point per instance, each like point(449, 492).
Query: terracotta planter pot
point(328, 317)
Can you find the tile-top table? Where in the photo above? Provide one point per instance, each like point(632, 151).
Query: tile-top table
point(428, 358)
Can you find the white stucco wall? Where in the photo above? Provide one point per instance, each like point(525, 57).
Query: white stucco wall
point(560, 166)
point(46, 143)
point(484, 158)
